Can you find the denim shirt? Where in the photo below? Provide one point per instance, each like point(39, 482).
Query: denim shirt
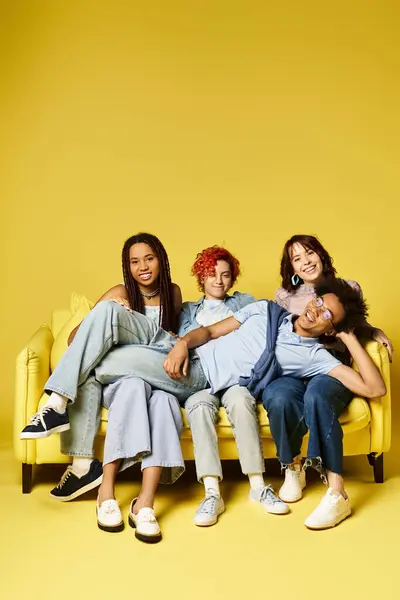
point(187, 318)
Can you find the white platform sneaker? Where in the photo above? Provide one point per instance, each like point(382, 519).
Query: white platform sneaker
point(294, 484)
point(332, 509)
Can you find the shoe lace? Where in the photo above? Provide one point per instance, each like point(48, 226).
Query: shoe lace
point(38, 417)
point(208, 505)
point(329, 500)
point(65, 477)
point(268, 495)
point(292, 475)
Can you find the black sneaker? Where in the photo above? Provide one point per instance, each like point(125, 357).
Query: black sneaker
point(71, 485)
point(46, 421)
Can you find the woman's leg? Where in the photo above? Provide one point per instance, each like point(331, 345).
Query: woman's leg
point(150, 480)
point(108, 324)
point(85, 473)
point(324, 401)
point(240, 407)
point(107, 488)
point(165, 429)
point(283, 399)
point(164, 464)
point(127, 437)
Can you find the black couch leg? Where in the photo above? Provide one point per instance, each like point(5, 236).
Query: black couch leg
point(26, 478)
point(377, 463)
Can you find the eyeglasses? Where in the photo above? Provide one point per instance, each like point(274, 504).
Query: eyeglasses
point(325, 313)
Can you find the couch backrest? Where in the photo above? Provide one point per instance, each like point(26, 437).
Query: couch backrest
point(59, 317)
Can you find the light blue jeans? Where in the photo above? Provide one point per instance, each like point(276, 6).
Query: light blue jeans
point(142, 348)
point(86, 366)
point(202, 412)
point(143, 424)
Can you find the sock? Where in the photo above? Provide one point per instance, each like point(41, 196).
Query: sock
point(211, 484)
point(256, 481)
point(81, 464)
point(58, 402)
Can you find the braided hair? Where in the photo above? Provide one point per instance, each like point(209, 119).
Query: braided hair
point(167, 312)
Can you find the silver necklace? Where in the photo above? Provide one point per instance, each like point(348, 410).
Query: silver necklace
point(151, 294)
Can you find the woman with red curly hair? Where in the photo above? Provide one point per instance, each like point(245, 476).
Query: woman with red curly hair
point(216, 271)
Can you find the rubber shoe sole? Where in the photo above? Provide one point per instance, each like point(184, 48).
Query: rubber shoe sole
point(30, 435)
point(330, 525)
point(83, 490)
point(148, 539)
point(110, 528)
point(210, 523)
point(270, 512)
point(292, 499)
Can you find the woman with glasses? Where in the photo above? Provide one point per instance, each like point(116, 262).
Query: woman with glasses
point(295, 406)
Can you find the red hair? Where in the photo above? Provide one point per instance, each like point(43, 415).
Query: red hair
point(206, 261)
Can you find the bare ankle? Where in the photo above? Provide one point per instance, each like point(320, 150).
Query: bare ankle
point(142, 502)
point(105, 494)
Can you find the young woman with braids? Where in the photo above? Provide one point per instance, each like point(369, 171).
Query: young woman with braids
point(315, 405)
point(147, 428)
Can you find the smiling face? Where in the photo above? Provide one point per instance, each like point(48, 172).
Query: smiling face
point(144, 265)
point(306, 263)
point(217, 286)
point(320, 317)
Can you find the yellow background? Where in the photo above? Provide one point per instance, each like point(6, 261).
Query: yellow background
point(237, 123)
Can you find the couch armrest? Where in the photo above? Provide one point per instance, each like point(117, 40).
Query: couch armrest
point(380, 407)
point(32, 372)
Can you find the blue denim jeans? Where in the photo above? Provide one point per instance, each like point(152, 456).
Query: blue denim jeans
point(111, 344)
point(116, 343)
point(143, 424)
point(295, 406)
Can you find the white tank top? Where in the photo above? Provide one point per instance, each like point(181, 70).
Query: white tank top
point(153, 313)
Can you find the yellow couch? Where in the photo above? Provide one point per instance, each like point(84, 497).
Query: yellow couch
point(366, 423)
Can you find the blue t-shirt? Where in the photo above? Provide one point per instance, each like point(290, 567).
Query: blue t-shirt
point(232, 356)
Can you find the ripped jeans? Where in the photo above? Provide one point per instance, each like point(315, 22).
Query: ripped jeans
point(294, 406)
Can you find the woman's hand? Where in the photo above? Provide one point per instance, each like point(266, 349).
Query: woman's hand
point(380, 336)
point(177, 361)
point(122, 302)
point(345, 335)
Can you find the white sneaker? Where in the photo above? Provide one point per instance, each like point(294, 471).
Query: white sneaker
point(267, 498)
point(145, 524)
point(209, 510)
point(294, 484)
point(332, 509)
point(109, 517)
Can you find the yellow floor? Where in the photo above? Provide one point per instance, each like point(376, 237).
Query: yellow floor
point(55, 550)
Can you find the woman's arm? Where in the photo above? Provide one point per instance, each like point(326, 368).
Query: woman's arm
point(118, 292)
point(369, 331)
point(176, 363)
point(368, 381)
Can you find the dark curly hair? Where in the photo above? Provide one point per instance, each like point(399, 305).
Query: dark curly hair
point(355, 307)
point(206, 261)
point(309, 242)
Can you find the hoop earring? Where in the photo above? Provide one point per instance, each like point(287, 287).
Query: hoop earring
point(295, 279)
